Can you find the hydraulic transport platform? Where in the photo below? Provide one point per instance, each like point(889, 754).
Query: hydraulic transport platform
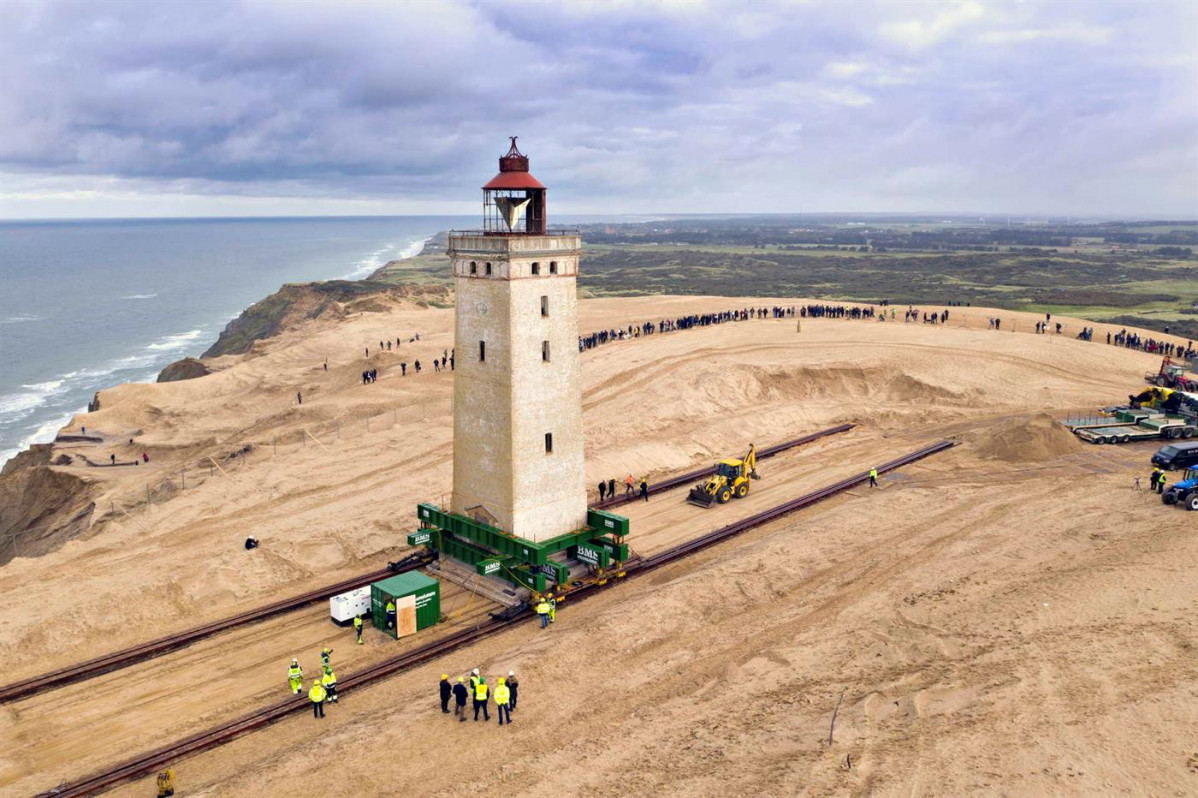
point(524, 563)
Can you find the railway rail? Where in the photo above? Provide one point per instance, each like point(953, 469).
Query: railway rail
point(139, 653)
point(693, 476)
point(152, 761)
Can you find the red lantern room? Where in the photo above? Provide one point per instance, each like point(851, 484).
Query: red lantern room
point(514, 200)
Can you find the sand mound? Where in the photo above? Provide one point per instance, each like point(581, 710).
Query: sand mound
point(879, 382)
point(1024, 440)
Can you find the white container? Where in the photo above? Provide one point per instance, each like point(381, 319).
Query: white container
point(343, 608)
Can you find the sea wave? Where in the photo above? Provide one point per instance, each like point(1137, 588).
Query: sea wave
point(140, 296)
point(21, 319)
point(376, 260)
point(171, 342)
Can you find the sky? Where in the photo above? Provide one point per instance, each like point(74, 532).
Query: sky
point(121, 109)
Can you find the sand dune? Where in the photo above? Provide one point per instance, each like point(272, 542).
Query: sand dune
point(1009, 618)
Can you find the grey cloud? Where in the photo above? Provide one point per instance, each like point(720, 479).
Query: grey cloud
point(652, 107)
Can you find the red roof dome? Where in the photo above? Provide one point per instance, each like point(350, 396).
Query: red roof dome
point(513, 180)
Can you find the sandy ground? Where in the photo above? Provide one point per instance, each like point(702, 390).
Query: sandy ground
point(1009, 618)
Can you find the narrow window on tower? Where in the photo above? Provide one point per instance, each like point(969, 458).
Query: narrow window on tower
point(544, 306)
point(553, 267)
point(536, 268)
point(488, 270)
point(545, 351)
point(482, 351)
point(474, 267)
point(548, 443)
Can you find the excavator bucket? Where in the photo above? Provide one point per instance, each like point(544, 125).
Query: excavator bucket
point(700, 497)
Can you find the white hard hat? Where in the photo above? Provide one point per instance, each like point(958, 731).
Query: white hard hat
point(475, 671)
point(511, 673)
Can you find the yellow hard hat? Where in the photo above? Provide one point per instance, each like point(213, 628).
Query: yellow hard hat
point(500, 680)
point(445, 676)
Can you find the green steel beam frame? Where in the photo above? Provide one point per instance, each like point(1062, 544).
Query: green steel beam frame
point(492, 551)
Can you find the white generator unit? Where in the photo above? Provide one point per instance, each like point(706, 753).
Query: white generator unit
point(345, 607)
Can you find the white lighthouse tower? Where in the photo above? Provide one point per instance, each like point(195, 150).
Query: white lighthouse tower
point(518, 445)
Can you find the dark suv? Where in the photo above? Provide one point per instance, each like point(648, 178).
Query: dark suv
point(1176, 455)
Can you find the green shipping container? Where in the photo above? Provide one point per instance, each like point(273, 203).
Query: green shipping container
point(417, 600)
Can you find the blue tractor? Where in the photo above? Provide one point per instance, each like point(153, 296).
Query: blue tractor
point(1183, 492)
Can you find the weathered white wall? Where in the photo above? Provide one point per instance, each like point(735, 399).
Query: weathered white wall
point(504, 406)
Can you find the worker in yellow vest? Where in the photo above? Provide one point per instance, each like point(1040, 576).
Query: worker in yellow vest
point(873, 477)
point(502, 697)
point(329, 682)
point(474, 680)
point(325, 655)
point(543, 611)
point(390, 610)
point(480, 699)
point(358, 628)
point(295, 676)
point(166, 783)
point(317, 694)
point(552, 608)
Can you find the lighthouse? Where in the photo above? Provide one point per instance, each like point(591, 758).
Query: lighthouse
point(518, 444)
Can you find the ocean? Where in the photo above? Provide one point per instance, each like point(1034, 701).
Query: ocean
point(86, 305)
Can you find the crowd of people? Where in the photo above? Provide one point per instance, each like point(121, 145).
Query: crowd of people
point(607, 488)
point(505, 695)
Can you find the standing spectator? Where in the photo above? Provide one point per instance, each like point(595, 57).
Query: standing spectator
point(602, 490)
point(514, 686)
point(502, 697)
point(480, 699)
point(317, 695)
point(645, 490)
point(446, 692)
point(459, 700)
point(611, 487)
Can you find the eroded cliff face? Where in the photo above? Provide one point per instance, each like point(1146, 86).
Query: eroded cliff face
point(41, 507)
point(292, 304)
point(189, 368)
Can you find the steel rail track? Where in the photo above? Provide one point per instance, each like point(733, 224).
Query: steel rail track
point(143, 651)
point(692, 476)
point(159, 758)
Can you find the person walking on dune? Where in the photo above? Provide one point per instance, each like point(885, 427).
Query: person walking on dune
point(295, 676)
point(644, 490)
point(602, 490)
point(611, 488)
point(358, 628)
point(873, 477)
point(628, 481)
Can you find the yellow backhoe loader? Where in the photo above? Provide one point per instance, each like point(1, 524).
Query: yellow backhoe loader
point(732, 477)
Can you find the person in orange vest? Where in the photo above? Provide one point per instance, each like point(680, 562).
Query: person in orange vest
point(628, 483)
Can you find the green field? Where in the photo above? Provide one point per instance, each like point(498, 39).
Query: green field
point(1130, 287)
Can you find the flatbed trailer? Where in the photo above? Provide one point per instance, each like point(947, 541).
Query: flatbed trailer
point(1124, 433)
